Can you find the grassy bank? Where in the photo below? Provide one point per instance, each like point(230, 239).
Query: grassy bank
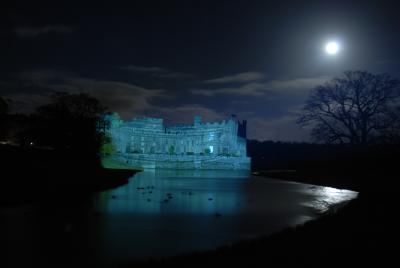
point(108, 162)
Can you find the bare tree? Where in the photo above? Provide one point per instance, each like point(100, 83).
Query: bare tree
point(357, 108)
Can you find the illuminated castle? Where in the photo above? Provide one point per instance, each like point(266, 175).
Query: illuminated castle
point(147, 143)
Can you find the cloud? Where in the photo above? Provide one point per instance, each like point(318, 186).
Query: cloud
point(298, 85)
point(269, 118)
point(41, 76)
point(240, 77)
point(37, 85)
point(250, 89)
point(25, 102)
point(157, 72)
point(125, 98)
point(33, 32)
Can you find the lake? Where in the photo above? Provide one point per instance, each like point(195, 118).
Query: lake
point(162, 213)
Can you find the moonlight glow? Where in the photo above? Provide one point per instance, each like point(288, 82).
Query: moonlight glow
point(332, 47)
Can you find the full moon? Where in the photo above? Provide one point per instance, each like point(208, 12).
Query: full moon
point(332, 47)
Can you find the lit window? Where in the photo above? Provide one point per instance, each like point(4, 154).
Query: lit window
point(211, 149)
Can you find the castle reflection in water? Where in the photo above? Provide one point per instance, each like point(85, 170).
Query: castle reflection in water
point(147, 143)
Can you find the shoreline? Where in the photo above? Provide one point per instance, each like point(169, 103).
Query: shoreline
point(314, 178)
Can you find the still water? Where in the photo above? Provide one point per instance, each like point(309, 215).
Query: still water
point(165, 213)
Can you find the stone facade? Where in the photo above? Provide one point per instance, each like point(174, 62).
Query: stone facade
point(146, 142)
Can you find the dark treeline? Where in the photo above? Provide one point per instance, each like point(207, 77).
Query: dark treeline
point(287, 155)
point(54, 151)
point(355, 167)
point(67, 126)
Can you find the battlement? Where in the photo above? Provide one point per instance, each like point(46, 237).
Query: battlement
point(147, 120)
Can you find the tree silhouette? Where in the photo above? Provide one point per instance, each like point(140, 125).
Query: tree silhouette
point(357, 108)
point(70, 124)
point(3, 112)
point(3, 106)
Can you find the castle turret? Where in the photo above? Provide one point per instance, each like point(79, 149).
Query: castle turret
point(197, 120)
point(242, 129)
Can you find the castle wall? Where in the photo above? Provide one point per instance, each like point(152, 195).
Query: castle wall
point(168, 146)
point(184, 161)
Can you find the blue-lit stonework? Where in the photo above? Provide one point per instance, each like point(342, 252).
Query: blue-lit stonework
point(147, 143)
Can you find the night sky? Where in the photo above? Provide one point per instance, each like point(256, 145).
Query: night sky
point(177, 59)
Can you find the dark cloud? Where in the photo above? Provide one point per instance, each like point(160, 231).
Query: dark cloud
point(240, 77)
point(127, 99)
point(124, 98)
point(283, 128)
point(157, 72)
point(33, 32)
point(31, 88)
point(304, 83)
point(250, 89)
point(275, 87)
